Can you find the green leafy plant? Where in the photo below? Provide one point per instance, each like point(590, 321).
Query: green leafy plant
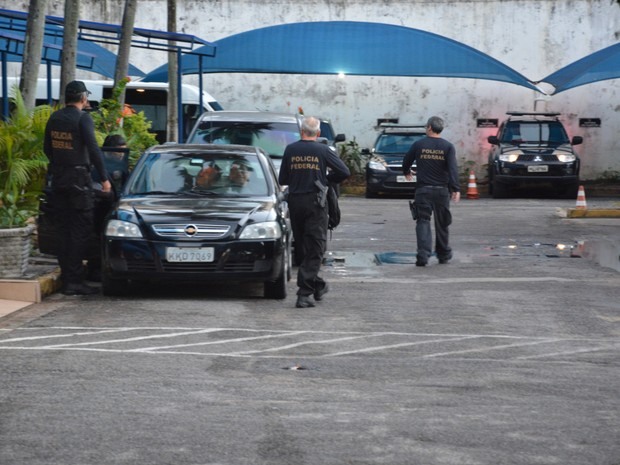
point(351, 154)
point(22, 162)
point(113, 118)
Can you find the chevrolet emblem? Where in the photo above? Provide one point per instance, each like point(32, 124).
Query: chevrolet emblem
point(190, 229)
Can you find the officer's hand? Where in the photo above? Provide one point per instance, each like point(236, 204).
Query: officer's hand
point(106, 186)
point(409, 177)
point(456, 196)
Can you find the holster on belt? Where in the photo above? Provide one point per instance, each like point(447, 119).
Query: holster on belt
point(322, 194)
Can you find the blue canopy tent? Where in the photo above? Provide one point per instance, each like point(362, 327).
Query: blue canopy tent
point(599, 66)
point(102, 60)
point(353, 48)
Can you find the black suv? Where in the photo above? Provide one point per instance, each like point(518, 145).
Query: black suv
point(533, 149)
point(384, 171)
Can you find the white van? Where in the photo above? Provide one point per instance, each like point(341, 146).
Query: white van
point(149, 97)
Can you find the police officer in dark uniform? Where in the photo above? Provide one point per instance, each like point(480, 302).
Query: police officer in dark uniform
point(437, 184)
point(71, 147)
point(304, 171)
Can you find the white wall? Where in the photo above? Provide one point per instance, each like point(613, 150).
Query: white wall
point(533, 37)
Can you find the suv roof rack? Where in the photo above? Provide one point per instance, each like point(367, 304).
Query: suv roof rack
point(392, 127)
point(399, 125)
point(532, 113)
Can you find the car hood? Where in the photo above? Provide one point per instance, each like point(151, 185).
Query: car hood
point(161, 209)
point(389, 158)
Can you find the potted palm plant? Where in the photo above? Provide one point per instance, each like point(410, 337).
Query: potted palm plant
point(22, 174)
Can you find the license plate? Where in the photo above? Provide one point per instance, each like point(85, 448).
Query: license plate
point(404, 179)
point(537, 169)
point(189, 254)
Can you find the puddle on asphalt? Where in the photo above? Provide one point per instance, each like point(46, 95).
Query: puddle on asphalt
point(605, 253)
point(531, 249)
point(355, 259)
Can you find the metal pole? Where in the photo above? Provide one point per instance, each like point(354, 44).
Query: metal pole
point(5, 88)
point(49, 83)
point(180, 95)
point(200, 84)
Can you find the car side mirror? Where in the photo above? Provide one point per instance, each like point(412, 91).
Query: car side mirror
point(493, 140)
point(577, 140)
point(340, 138)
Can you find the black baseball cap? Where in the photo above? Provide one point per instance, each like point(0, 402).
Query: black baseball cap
point(76, 87)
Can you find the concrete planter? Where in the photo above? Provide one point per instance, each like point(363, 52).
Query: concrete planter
point(15, 244)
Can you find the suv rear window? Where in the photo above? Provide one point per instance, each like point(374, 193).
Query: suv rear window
point(271, 137)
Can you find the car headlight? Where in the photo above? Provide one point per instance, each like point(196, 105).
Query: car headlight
point(511, 157)
point(118, 228)
point(267, 230)
point(376, 165)
point(565, 157)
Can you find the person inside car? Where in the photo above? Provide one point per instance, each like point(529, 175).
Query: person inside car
point(239, 175)
point(209, 176)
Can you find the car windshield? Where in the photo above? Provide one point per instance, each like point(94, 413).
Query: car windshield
point(542, 132)
point(199, 174)
point(271, 137)
point(396, 143)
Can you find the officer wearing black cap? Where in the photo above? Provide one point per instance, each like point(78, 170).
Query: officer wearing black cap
point(72, 149)
point(304, 171)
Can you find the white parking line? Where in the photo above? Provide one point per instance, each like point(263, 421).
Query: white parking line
point(310, 338)
point(568, 352)
point(132, 339)
point(222, 341)
point(395, 346)
point(52, 336)
point(299, 344)
point(489, 349)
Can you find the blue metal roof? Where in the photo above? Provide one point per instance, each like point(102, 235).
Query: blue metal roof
point(599, 66)
point(91, 56)
point(355, 48)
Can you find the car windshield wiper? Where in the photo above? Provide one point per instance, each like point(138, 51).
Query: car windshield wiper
point(154, 193)
point(200, 191)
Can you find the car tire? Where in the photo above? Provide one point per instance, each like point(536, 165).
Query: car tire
point(113, 287)
point(370, 194)
point(571, 191)
point(277, 289)
point(499, 190)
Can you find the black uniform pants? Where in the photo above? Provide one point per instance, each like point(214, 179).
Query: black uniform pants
point(309, 223)
point(74, 225)
point(433, 201)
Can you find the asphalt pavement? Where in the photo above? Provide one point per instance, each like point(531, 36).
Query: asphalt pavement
point(507, 355)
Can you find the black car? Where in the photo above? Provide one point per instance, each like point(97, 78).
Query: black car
point(328, 133)
point(384, 173)
point(533, 149)
point(199, 213)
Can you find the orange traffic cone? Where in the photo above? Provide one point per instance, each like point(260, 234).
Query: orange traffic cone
point(472, 189)
point(581, 199)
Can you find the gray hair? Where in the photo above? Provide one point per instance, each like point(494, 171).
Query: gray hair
point(436, 124)
point(311, 126)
